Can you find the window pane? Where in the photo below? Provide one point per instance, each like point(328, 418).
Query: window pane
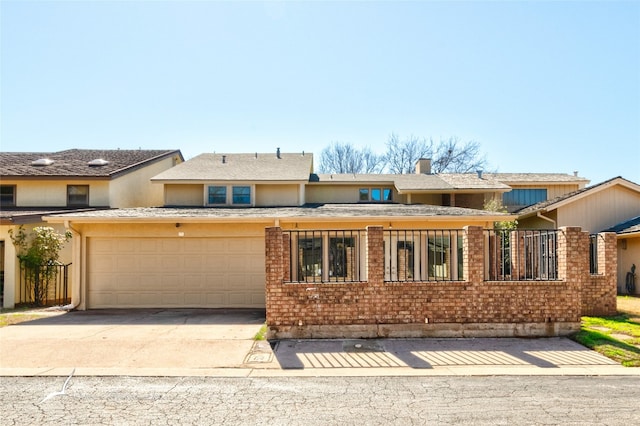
point(376, 194)
point(524, 197)
point(217, 195)
point(7, 195)
point(388, 195)
point(364, 194)
point(78, 195)
point(309, 258)
point(342, 259)
point(241, 195)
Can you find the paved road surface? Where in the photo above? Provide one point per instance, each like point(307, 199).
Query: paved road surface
point(495, 400)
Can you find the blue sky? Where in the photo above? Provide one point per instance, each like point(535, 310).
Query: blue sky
point(543, 86)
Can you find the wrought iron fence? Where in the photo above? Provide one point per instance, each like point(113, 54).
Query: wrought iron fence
point(326, 256)
point(44, 285)
point(593, 254)
point(517, 255)
point(423, 255)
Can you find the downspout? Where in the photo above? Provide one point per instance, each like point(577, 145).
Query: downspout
point(548, 219)
point(76, 257)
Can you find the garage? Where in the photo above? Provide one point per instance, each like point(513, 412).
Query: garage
point(175, 272)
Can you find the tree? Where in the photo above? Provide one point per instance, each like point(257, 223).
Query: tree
point(39, 253)
point(451, 156)
point(402, 155)
point(345, 158)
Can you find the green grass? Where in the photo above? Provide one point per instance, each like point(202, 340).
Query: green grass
point(616, 337)
point(262, 333)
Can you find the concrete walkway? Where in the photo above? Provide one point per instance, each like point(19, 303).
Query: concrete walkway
point(193, 342)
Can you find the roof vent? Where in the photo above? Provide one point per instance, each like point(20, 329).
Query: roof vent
point(42, 162)
point(479, 172)
point(224, 159)
point(278, 152)
point(98, 162)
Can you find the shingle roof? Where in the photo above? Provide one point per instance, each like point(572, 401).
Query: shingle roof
point(241, 167)
point(628, 227)
point(74, 162)
point(23, 215)
point(307, 211)
point(417, 182)
point(535, 177)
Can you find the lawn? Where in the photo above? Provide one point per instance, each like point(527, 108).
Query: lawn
point(616, 337)
point(18, 315)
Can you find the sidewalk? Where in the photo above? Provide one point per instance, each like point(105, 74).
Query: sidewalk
point(206, 343)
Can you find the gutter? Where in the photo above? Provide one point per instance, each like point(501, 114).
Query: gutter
point(548, 219)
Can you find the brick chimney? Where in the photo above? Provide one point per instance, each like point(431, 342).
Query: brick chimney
point(423, 166)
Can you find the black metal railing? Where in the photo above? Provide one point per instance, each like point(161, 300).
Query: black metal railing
point(423, 255)
point(517, 255)
point(326, 256)
point(593, 254)
point(44, 285)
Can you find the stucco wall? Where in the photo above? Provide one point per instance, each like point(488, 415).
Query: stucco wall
point(53, 193)
point(135, 189)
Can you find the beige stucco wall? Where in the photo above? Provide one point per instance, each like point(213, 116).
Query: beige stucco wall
point(627, 257)
point(601, 210)
point(184, 195)
point(11, 264)
point(334, 193)
point(146, 194)
point(53, 193)
point(277, 195)
point(553, 191)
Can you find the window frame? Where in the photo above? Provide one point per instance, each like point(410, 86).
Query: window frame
point(78, 204)
point(11, 203)
point(384, 194)
point(210, 195)
point(231, 198)
point(235, 196)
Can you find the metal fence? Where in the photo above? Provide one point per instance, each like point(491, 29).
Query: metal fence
point(423, 255)
point(517, 255)
point(44, 285)
point(326, 256)
point(593, 254)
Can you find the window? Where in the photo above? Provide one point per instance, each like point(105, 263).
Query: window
point(77, 195)
point(217, 195)
point(7, 195)
point(241, 195)
point(524, 197)
point(376, 194)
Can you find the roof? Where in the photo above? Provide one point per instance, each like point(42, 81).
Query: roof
point(311, 211)
point(241, 167)
point(24, 215)
point(417, 182)
point(529, 178)
point(631, 226)
point(75, 162)
point(554, 203)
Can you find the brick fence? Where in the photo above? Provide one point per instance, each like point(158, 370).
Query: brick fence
point(473, 307)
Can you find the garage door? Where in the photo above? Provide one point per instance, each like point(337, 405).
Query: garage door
point(175, 272)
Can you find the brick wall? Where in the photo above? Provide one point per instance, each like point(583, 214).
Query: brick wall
point(473, 307)
point(599, 291)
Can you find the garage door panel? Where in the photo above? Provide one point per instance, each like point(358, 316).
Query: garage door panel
point(175, 272)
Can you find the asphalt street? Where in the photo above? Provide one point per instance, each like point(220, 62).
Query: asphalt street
point(473, 400)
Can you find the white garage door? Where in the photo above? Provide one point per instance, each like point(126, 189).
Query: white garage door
point(175, 272)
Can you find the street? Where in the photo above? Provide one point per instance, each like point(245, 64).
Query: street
point(499, 400)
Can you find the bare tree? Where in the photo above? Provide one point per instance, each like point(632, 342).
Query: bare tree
point(345, 158)
point(452, 156)
point(402, 155)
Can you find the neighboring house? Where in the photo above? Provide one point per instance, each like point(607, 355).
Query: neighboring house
point(33, 185)
point(610, 206)
point(206, 246)
point(628, 233)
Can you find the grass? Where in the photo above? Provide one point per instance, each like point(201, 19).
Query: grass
point(262, 333)
point(616, 337)
point(23, 314)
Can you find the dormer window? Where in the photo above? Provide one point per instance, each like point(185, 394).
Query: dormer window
point(98, 162)
point(41, 162)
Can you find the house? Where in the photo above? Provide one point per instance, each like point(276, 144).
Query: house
point(206, 246)
point(610, 206)
point(33, 185)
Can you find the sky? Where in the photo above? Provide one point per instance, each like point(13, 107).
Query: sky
point(542, 86)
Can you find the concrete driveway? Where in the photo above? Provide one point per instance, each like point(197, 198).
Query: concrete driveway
point(142, 340)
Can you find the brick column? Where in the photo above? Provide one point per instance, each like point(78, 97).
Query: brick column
point(573, 264)
point(375, 255)
point(608, 268)
point(473, 254)
point(274, 272)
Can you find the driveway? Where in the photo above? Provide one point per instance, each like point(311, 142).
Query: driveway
point(142, 340)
